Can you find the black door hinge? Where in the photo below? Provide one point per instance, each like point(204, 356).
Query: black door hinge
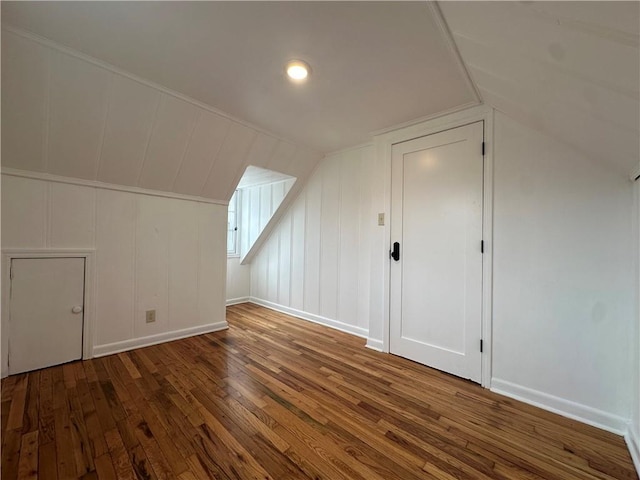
point(483, 149)
point(480, 345)
point(481, 246)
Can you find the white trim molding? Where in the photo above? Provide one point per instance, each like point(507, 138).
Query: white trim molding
point(327, 322)
point(89, 291)
point(374, 344)
point(125, 345)
point(633, 443)
point(576, 411)
point(236, 301)
point(383, 145)
point(47, 177)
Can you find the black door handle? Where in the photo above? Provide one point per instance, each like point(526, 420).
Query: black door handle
point(395, 253)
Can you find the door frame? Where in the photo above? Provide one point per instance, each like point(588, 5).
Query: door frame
point(383, 146)
point(89, 281)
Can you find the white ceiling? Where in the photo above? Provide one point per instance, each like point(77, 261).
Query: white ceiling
point(375, 64)
point(254, 176)
point(569, 69)
point(64, 115)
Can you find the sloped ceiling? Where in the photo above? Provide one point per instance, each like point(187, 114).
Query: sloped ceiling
point(66, 115)
point(569, 69)
point(374, 64)
point(182, 96)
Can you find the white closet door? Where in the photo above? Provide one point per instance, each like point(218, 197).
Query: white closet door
point(436, 218)
point(46, 312)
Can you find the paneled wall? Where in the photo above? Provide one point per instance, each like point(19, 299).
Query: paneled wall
point(257, 205)
point(66, 114)
point(633, 436)
point(151, 253)
point(238, 281)
point(315, 264)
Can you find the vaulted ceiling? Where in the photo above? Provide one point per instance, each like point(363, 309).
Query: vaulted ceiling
point(569, 69)
point(374, 64)
point(182, 96)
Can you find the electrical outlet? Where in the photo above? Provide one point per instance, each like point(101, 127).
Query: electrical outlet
point(151, 316)
point(381, 219)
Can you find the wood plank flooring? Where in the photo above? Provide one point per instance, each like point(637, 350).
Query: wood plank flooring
point(280, 398)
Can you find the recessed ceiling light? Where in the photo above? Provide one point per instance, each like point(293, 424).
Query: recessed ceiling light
point(297, 70)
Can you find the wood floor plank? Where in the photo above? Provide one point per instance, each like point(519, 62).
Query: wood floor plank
point(47, 461)
point(274, 397)
point(28, 464)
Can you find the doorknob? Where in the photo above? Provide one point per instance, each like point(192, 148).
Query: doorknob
point(395, 253)
point(77, 309)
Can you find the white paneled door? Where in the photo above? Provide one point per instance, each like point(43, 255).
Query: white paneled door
point(436, 232)
point(46, 312)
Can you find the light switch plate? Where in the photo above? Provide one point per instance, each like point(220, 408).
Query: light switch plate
point(381, 219)
point(151, 316)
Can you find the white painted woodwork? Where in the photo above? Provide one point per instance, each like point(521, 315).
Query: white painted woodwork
point(230, 162)
point(436, 217)
point(25, 99)
point(204, 145)
point(69, 115)
point(330, 193)
point(77, 110)
point(281, 156)
point(151, 253)
point(132, 109)
point(315, 263)
point(173, 125)
point(312, 245)
point(25, 219)
point(298, 245)
point(212, 248)
point(568, 69)
point(116, 216)
point(354, 49)
point(254, 176)
point(258, 204)
point(46, 312)
point(182, 284)
point(261, 150)
point(633, 434)
point(152, 264)
point(71, 220)
point(238, 281)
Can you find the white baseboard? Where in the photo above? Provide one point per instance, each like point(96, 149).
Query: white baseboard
point(117, 347)
point(235, 301)
point(576, 411)
point(374, 344)
point(327, 322)
point(633, 443)
point(4, 373)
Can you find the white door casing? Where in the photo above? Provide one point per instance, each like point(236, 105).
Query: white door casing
point(46, 312)
point(437, 218)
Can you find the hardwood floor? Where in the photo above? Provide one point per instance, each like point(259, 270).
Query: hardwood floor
point(280, 398)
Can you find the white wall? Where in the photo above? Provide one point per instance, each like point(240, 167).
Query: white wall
point(563, 277)
point(238, 281)
point(151, 253)
point(633, 436)
point(257, 205)
point(315, 264)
